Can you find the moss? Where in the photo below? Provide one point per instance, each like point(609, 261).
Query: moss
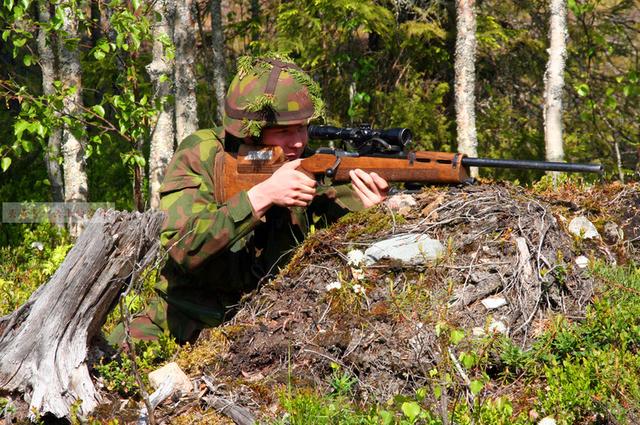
point(200, 416)
point(206, 352)
point(369, 222)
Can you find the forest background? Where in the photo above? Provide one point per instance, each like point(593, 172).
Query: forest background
point(96, 95)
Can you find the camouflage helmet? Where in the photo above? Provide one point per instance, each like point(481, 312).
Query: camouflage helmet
point(269, 91)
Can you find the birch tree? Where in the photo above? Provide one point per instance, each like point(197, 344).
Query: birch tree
point(46, 52)
point(219, 71)
point(185, 81)
point(465, 79)
point(73, 143)
point(161, 69)
point(554, 81)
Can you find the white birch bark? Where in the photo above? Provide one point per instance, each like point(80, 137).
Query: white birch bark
point(73, 148)
point(465, 79)
point(185, 80)
point(163, 135)
point(554, 81)
point(219, 71)
point(46, 52)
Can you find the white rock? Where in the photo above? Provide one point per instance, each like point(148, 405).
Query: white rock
point(411, 248)
point(171, 372)
point(583, 228)
point(493, 302)
point(498, 326)
point(355, 257)
point(547, 421)
point(582, 261)
point(401, 200)
point(333, 285)
point(37, 245)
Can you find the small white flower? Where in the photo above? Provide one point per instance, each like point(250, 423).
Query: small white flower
point(355, 257)
point(358, 289)
point(358, 274)
point(333, 285)
point(498, 327)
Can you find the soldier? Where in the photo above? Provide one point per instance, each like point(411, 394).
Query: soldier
point(218, 251)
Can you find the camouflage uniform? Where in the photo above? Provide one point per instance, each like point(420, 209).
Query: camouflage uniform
point(218, 251)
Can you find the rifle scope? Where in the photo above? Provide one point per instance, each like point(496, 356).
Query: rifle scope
point(391, 137)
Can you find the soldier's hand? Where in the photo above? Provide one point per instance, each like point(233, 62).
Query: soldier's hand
point(370, 187)
point(287, 187)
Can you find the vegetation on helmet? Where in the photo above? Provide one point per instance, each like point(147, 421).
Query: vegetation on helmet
point(270, 90)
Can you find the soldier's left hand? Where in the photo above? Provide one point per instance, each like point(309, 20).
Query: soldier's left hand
point(370, 187)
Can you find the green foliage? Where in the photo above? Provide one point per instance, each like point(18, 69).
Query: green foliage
point(117, 374)
point(23, 268)
point(117, 116)
point(341, 381)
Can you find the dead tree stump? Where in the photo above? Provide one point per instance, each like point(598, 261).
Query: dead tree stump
point(43, 344)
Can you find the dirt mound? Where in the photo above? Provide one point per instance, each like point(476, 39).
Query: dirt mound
point(384, 323)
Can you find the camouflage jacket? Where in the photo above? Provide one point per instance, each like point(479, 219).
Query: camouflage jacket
point(219, 251)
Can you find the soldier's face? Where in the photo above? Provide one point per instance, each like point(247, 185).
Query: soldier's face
point(291, 138)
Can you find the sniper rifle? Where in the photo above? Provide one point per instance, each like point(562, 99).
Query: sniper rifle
point(384, 151)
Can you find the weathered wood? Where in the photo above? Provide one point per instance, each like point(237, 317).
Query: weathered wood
point(43, 344)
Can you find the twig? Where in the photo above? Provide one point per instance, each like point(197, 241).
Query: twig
point(132, 356)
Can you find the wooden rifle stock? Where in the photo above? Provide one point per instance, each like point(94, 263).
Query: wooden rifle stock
point(254, 164)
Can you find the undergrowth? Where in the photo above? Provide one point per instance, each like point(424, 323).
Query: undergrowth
point(580, 371)
point(26, 266)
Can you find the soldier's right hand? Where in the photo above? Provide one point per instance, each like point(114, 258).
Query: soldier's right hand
point(287, 187)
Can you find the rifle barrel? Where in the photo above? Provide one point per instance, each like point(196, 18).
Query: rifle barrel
point(532, 165)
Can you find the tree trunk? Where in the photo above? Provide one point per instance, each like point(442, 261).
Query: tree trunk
point(164, 134)
point(43, 344)
point(554, 81)
point(616, 147)
point(465, 79)
point(73, 148)
point(185, 80)
point(219, 67)
point(46, 51)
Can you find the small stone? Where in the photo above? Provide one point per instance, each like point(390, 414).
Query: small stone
point(478, 332)
point(400, 201)
point(583, 228)
point(171, 372)
point(582, 261)
point(37, 245)
point(612, 232)
point(547, 421)
point(492, 303)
